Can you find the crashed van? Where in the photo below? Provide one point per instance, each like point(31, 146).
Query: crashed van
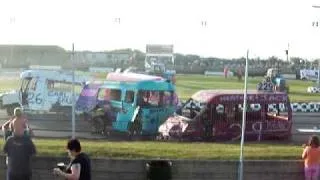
point(43, 91)
point(130, 103)
point(217, 115)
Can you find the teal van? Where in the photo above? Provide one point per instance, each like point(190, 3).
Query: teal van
point(133, 103)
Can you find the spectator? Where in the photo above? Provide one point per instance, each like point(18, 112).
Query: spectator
point(311, 157)
point(19, 150)
point(239, 73)
point(17, 125)
point(225, 71)
point(80, 165)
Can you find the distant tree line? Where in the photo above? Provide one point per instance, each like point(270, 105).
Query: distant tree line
point(22, 56)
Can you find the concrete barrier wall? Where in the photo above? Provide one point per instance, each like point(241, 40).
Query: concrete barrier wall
point(117, 169)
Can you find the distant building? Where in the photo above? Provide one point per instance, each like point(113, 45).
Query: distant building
point(105, 59)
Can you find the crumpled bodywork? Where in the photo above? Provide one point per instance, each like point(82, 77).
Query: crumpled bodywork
point(176, 126)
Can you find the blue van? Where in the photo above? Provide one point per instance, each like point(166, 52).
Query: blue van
point(129, 102)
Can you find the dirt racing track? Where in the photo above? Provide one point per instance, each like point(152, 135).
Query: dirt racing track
point(61, 127)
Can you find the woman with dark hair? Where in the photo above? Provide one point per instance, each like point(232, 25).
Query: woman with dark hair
point(311, 157)
point(80, 165)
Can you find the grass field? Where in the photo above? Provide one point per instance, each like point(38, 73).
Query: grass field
point(186, 86)
point(173, 150)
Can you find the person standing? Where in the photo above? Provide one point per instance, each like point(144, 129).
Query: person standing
point(17, 125)
point(239, 72)
point(80, 165)
point(19, 150)
point(226, 71)
point(311, 157)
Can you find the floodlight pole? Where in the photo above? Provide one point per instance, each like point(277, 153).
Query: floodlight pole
point(243, 127)
point(73, 95)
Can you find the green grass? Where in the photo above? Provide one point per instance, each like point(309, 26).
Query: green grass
point(189, 84)
point(173, 150)
point(6, 85)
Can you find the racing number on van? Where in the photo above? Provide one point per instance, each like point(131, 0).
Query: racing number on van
point(34, 98)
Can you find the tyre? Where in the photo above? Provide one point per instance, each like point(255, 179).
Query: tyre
point(135, 128)
point(98, 125)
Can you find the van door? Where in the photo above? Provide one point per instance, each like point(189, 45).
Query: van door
point(35, 94)
point(129, 115)
point(207, 123)
point(122, 108)
point(154, 109)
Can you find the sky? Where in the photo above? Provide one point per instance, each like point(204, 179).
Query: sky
point(264, 27)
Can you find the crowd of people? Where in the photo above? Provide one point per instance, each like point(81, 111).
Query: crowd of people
point(19, 149)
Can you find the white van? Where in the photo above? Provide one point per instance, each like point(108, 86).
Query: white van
point(43, 91)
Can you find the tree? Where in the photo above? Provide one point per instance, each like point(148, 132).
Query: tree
point(295, 60)
point(273, 60)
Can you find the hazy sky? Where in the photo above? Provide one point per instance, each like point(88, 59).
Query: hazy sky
point(265, 27)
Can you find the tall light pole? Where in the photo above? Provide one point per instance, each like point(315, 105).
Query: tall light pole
point(244, 113)
point(73, 95)
point(316, 24)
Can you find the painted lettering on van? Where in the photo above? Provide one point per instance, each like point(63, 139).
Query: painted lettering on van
point(270, 126)
point(254, 97)
point(34, 98)
point(63, 97)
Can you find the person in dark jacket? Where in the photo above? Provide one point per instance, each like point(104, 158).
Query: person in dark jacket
point(19, 150)
point(80, 165)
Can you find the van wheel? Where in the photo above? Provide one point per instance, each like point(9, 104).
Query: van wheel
point(135, 128)
point(98, 125)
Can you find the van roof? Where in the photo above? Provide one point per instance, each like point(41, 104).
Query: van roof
point(54, 75)
point(131, 77)
point(150, 85)
point(224, 96)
